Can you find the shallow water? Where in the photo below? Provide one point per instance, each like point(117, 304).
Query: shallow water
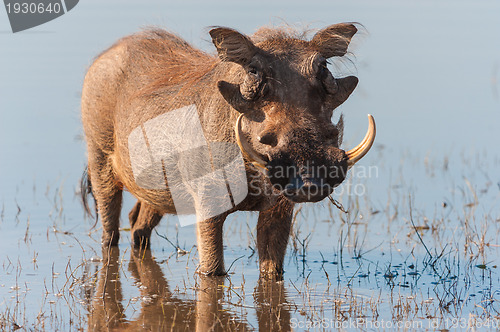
point(428, 73)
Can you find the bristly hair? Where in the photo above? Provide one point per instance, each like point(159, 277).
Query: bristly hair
point(283, 31)
point(283, 37)
point(286, 31)
point(173, 61)
point(340, 128)
point(286, 35)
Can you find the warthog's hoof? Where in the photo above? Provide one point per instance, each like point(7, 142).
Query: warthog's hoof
point(274, 275)
point(269, 271)
point(141, 238)
point(110, 240)
point(217, 272)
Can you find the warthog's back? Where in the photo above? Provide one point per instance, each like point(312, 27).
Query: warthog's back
point(139, 78)
point(131, 68)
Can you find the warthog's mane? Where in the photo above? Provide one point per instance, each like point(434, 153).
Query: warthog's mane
point(279, 34)
point(174, 62)
point(171, 60)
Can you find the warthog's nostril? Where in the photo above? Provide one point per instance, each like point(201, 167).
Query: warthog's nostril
point(268, 138)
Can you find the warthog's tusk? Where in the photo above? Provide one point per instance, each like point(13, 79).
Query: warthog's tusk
point(354, 155)
point(245, 147)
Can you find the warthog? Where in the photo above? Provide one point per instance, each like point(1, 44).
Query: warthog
point(270, 96)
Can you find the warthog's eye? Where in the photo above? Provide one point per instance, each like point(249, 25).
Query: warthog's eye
point(322, 71)
point(253, 71)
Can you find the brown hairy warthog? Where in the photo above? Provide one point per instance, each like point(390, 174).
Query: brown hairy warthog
point(270, 96)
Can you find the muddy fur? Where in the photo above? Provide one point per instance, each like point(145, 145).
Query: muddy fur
point(277, 78)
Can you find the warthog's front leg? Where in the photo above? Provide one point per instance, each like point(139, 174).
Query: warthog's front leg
point(273, 231)
point(143, 218)
point(210, 247)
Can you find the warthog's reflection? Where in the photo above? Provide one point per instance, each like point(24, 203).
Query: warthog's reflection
point(271, 306)
point(161, 311)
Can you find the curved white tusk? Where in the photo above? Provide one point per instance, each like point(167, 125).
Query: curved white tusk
point(354, 155)
point(245, 147)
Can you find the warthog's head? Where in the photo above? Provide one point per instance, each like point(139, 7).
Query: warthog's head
point(286, 96)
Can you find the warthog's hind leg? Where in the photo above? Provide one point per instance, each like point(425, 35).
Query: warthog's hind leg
point(107, 192)
point(143, 218)
point(273, 231)
point(134, 213)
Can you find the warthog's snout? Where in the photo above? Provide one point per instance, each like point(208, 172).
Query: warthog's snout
point(309, 182)
point(313, 179)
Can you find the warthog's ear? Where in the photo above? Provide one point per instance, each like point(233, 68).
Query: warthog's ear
point(233, 46)
point(334, 40)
